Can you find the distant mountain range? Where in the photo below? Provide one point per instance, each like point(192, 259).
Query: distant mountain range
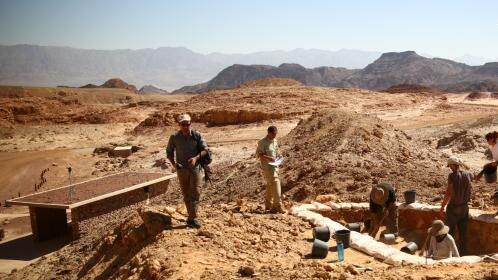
point(388, 70)
point(168, 68)
point(171, 68)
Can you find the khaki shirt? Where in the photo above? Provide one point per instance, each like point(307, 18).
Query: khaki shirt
point(185, 147)
point(267, 147)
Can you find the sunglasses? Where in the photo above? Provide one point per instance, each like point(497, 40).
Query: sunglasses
point(185, 124)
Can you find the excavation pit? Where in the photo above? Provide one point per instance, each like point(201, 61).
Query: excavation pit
point(88, 199)
point(414, 220)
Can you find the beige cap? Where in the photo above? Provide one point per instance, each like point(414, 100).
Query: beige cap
point(184, 118)
point(457, 161)
point(379, 194)
point(438, 228)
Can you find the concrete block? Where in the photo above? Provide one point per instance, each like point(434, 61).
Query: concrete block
point(124, 151)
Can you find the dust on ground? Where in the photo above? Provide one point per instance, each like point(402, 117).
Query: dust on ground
point(396, 136)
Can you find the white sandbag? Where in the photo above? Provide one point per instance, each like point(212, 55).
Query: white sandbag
point(333, 225)
point(464, 259)
point(345, 206)
point(396, 259)
point(364, 205)
point(333, 205)
point(356, 206)
point(303, 207)
point(321, 207)
point(417, 260)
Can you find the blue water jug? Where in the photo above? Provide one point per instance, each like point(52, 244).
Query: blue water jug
point(340, 251)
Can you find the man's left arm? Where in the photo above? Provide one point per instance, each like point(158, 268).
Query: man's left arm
point(454, 249)
point(202, 145)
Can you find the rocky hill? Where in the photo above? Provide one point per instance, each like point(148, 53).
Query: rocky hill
point(150, 89)
point(113, 83)
point(237, 74)
point(390, 69)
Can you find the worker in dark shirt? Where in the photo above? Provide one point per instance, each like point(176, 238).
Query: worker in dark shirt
point(383, 209)
point(457, 197)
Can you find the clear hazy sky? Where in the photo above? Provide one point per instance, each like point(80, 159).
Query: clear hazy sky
point(440, 27)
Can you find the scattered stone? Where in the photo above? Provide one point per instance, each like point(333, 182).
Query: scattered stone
point(163, 163)
point(206, 233)
point(353, 270)
point(154, 220)
point(246, 271)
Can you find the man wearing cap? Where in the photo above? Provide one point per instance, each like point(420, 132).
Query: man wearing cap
point(267, 152)
point(383, 209)
point(442, 245)
point(457, 197)
point(189, 146)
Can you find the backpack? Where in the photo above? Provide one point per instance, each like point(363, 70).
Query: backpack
point(206, 160)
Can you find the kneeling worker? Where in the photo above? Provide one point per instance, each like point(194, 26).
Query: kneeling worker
point(383, 209)
point(442, 244)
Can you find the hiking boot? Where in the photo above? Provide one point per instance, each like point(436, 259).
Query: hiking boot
point(193, 223)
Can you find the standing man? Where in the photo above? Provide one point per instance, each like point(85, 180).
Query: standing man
point(190, 147)
point(490, 168)
point(267, 152)
point(383, 209)
point(458, 196)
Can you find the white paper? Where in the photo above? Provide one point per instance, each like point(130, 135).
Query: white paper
point(277, 162)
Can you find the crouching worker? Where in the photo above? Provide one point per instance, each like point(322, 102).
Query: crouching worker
point(441, 245)
point(383, 209)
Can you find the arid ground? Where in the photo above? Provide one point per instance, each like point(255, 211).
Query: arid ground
point(335, 141)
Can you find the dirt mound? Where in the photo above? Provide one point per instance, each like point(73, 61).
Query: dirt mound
point(476, 96)
point(36, 110)
point(460, 141)
point(118, 83)
point(411, 88)
point(227, 117)
point(271, 82)
point(344, 153)
point(157, 119)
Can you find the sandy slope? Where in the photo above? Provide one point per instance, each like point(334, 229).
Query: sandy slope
point(29, 148)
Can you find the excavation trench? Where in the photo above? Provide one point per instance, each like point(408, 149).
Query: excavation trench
point(414, 220)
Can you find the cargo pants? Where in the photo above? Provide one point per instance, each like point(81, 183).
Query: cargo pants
point(273, 190)
point(190, 184)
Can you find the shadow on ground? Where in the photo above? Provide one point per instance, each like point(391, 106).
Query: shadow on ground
point(25, 248)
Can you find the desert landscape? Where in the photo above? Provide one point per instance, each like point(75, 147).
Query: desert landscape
point(137, 140)
point(336, 141)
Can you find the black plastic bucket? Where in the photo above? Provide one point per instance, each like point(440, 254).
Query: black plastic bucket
point(410, 196)
point(344, 236)
point(495, 199)
point(389, 238)
point(320, 249)
point(410, 248)
point(321, 233)
point(354, 226)
point(489, 173)
point(490, 177)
